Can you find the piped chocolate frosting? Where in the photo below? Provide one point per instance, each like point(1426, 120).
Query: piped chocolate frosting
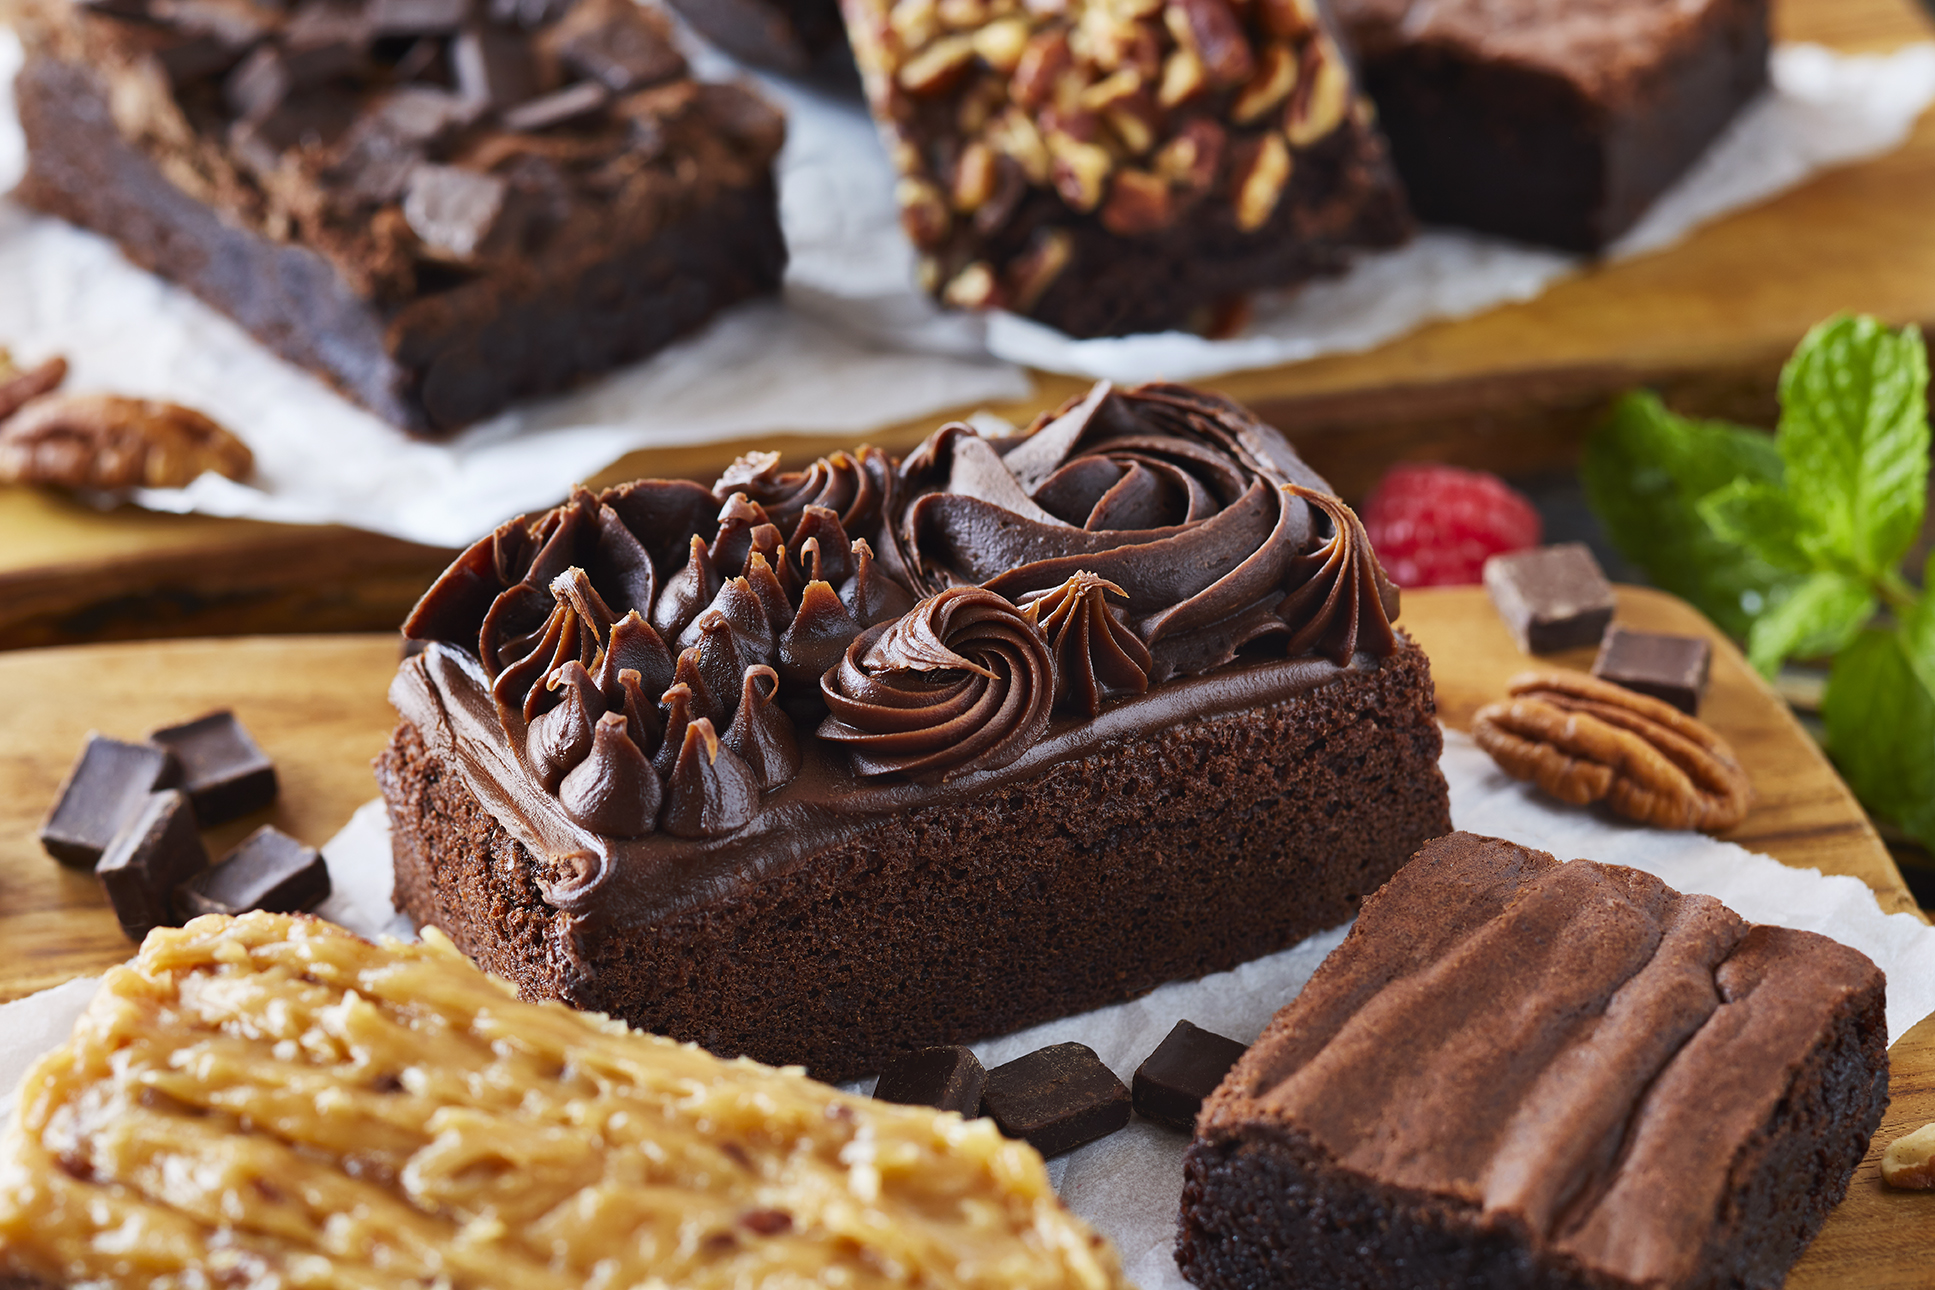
point(664, 657)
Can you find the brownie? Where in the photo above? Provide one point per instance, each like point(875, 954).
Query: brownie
point(437, 207)
point(1517, 1072)
point(1553, 121)
point(800, 37)
point(1111, 704)
point(1110, 169)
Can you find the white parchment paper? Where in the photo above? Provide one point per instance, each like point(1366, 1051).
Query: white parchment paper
point(850, 347)
point(1128, 1184)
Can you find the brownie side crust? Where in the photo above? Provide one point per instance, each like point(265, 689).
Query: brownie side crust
point(433, 364)
point(1685, 1108)
point(1565, 146)
point(1207, 845)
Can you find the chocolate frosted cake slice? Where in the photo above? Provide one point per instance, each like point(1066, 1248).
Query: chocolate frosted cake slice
point(1117, 166)
point(1517, 1072)
point(439, 206)
point(830, 765)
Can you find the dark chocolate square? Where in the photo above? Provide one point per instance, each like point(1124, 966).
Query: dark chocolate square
point(223, 771)
point(1670, 668)
point(1056, 1098)
point(160, 849)
point(104, 790)
point(1552, 598)
point(950, 1078)
point(1185, 1068)
point(268, 870)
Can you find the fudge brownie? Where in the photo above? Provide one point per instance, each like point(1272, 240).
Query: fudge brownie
point(1005, 731)
point(1110, 168)
point(801, 37)
point(1554, 121)
point(439, 206)
point(270, 1101)
point(1517, 1072)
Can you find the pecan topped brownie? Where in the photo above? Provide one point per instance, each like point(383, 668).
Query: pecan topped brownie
point(1115, 166)
point(823, 765)
point(437, 205)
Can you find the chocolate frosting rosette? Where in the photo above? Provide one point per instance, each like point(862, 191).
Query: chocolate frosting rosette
point(1197, 512)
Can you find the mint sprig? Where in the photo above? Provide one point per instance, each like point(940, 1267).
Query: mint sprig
point(1796, 541)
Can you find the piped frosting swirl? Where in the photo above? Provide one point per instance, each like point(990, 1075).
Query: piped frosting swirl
point(962, 682)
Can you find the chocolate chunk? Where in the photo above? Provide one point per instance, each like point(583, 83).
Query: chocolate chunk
point(1170, 1085)
point(160, 849)
point(1552, 598)
point(103, 792)
point(460, 214)
point(417, 17)
point(1057, 1098)
point(1670, 668)
point(950, 1078)
point(259, 85)
point(420, 116)
point(192, 58)
point(624, 51)
point(528, 14)
point(567, 104)
point(322, 40)
point(116, 8)
point(223, 770)
point(269, 870)
point(494, 68)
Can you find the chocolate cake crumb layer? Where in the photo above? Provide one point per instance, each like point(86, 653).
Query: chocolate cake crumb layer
point(1555, 121)
point(1189, 851)
point(436, 221)
point(1517, 1072)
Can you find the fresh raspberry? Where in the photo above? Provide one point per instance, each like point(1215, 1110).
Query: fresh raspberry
point(1434, 526)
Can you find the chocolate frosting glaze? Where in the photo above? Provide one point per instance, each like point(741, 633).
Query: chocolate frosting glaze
point(962, 682)
point(859, 622)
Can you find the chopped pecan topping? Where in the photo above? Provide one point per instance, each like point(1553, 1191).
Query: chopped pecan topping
point(103, 441)
point(1584, 740)
point(17, 387)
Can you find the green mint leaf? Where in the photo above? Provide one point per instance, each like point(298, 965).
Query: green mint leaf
point(1854, 438)
point(1880, 715)
point(1645, 471)
point(1818, 616)
point(1761, 517)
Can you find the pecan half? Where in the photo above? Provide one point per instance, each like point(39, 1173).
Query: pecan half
point(104, 441)
point(1909, 1161)
point(1585, 740)
point(16, 386)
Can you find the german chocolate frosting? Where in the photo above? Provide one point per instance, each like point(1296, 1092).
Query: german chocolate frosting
point(663, 687)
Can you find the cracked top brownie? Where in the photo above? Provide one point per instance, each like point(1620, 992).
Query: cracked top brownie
point(662, 684)
point(447, 160)
point(1114, 166)
point(270, 1101)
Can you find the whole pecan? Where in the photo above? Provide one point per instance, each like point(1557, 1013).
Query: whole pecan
point(108, 442)
point(1584, 740)
point(16, 386)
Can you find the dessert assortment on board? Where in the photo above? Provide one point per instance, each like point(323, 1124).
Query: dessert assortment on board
point(1521, 1071)
point(439, 208)
point(1008, 730)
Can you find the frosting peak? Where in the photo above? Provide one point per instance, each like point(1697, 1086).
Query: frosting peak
point(961, 682)
point(1096, 655)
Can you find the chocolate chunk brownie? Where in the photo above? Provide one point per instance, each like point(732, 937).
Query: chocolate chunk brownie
point(1517, 1072)
point(827, 766)
point(440, 206)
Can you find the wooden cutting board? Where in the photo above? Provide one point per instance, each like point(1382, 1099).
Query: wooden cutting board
point(1512, 390)
point(317, 706)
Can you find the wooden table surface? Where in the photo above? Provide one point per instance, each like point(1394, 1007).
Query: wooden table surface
point(317, 705)
point(1709, 321)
